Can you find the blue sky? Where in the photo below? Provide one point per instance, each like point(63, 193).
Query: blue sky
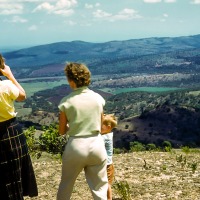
point(35, 22)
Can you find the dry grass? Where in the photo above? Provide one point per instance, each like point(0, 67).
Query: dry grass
point(165, 176)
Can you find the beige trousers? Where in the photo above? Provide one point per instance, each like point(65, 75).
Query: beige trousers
point(86, 153)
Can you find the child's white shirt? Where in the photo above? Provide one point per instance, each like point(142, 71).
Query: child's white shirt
point(108, 141)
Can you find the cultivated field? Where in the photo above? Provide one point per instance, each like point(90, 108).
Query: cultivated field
point(150, 176)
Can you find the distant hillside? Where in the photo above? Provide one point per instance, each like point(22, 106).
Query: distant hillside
point(149, 55)
point(179, 125)
point(143, 116)
point(155, 117)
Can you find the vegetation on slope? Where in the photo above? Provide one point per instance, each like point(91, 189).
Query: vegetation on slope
point(146, 117)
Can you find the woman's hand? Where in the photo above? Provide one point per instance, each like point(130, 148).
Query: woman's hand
point(6, 71)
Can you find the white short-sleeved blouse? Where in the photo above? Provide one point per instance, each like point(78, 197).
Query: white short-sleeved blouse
point(83, 108)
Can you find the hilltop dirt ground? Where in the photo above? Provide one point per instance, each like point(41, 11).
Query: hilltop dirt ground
point(165, 176)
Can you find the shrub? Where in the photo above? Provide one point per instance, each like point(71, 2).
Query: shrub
point(136, 146)
point(151, 147)
point(118, 151)
point(123, 189)
point(126, 126)
point(182, 160)
point(193, 166)
point(185, 149)
point(51, 141)
point(167, 146)
point(30, 138)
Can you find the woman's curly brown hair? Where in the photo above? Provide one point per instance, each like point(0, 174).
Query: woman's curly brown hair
point(78, 73)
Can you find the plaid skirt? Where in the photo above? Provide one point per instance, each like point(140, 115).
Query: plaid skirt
point(17, 178)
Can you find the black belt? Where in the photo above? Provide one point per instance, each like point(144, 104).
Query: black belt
point(7, 122)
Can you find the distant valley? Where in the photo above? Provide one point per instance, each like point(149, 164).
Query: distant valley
point(148, 117)
point(136, 56)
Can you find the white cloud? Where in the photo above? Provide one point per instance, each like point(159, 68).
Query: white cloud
point(62, 7)
point(17, 19)
point(101, 14)
point(10, 9)
point(25, 1)
point(71, 23)
point(158, 1)
point(162, 20)
point(89, 6)
point(125, 14)
point(33, 28)
point(97, 4)
point(195, 1)
point(37, 0)
point(64, 12)
point(169, 1)
point(152, 1)
point(65, 4)
point(165, 15)
point(44, 6)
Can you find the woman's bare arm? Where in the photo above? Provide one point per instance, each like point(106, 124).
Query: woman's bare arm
point(63, 123)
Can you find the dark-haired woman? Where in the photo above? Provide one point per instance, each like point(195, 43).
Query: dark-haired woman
point(17, 177)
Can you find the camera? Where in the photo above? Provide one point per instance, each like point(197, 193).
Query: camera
point(2, 64)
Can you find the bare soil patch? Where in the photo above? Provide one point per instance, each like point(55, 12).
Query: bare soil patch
point(165, 176)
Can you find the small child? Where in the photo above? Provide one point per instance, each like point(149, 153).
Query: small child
point(109, 122)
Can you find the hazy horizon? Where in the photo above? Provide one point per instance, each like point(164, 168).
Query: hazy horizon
point(29, 23)
point(8, 48)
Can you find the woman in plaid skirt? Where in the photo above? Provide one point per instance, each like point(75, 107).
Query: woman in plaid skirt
point(17, 178)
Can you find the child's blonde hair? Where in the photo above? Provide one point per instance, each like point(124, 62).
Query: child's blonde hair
point(110, 120)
